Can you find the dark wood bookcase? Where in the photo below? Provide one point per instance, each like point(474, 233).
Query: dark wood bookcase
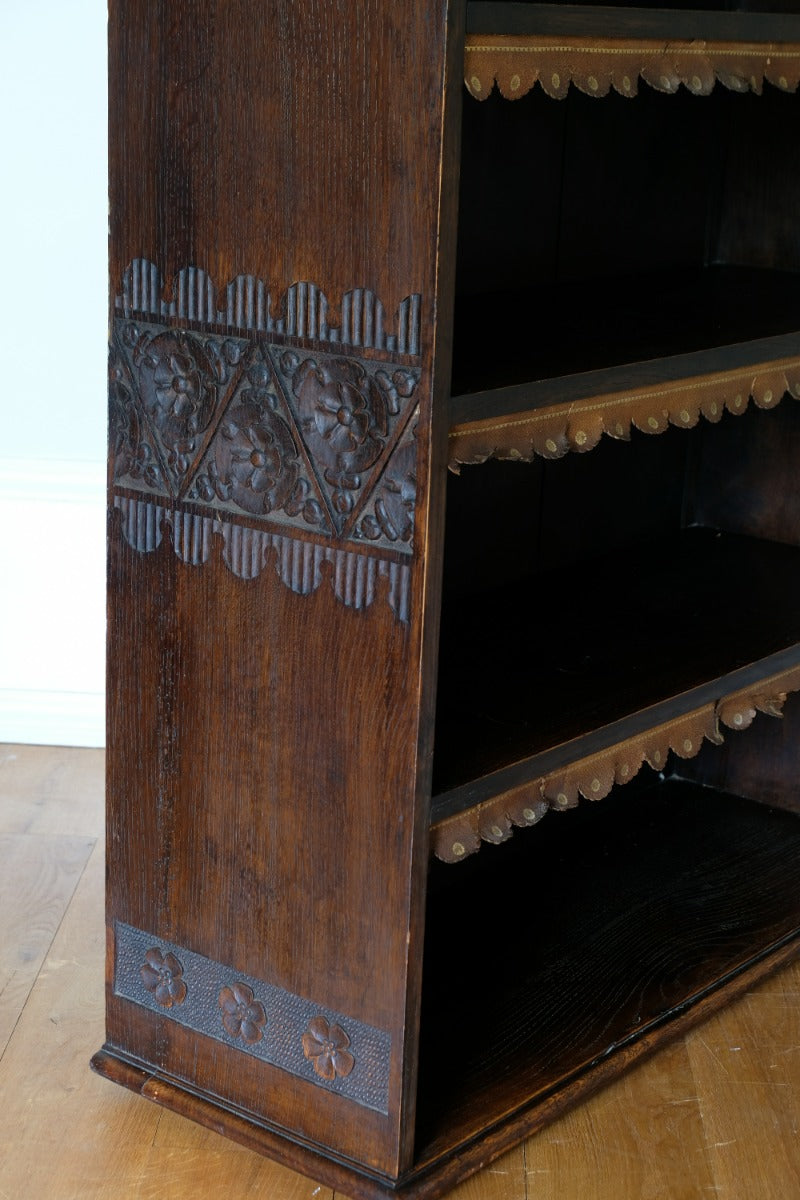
point(453, 491)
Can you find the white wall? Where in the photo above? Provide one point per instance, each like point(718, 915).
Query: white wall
point(53, 318)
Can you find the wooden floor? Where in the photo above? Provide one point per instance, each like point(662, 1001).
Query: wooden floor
point(715, 1115)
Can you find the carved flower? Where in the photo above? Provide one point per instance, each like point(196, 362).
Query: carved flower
point(162, 975)
point(242, 1016)
point(178, 386)
point(325, 1046)
point(254, 462)
point(263, 454)
point(344, 414)
point(178, 381)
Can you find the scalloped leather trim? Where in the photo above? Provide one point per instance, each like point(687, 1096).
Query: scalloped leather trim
point(579, 425)
point(592, 778)
point(516, 64)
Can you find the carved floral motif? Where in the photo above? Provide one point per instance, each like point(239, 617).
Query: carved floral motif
point(395, 496)
point(254, 459)
point(326, 1048)
point(242, 1015)
point(132, 454)
point(179, 379)
point(162, 975)
point(320, 441)
point(345, 413)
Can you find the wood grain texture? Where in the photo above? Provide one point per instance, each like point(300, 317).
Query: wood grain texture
point(37, 880)
point(50, 790)
point(714, 1114)
point(198, 177)
point(270, 750)
point(266, 140)
point(644, 1136)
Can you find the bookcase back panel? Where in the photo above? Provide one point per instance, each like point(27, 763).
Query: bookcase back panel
point(745, 476)
point(620, 186)
point(599, 231)
point(510, 521)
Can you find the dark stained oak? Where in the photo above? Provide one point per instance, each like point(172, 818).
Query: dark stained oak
point(317, 643)
point(771, 20)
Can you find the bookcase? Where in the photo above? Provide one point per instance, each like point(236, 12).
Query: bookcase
point(454, 559)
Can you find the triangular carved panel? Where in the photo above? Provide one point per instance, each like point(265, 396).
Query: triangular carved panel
point(349, 413)
point(254, 462)
point(180, 381)
point(388, 517)
point(135, 460)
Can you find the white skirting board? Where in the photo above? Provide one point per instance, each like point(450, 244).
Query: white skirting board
point(52, 718)
point(52, 602)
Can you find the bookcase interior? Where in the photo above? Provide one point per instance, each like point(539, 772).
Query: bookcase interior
point(594, 930)
point(580, 590)
point(596, 232)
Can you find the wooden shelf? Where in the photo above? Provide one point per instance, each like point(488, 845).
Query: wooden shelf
point(602, 930)
point(773, 22)
point(670, 623)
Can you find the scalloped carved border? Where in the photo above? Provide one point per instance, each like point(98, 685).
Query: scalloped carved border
point(592, 778)
point(356, 578)
point(516, 64)
point(247, 304)
point(579, 425)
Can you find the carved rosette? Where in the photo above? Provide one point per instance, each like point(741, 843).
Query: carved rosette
point(254, 462)
point(347, 412)
point(242, 1015)
point(326, 1047)
point(180, 378)
point(162, 976)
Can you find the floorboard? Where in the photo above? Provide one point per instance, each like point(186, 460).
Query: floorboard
point(37, 879)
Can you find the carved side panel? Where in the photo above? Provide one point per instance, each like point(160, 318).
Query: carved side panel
point(305, 455)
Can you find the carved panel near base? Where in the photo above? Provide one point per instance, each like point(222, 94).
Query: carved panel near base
point(248, 1015)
